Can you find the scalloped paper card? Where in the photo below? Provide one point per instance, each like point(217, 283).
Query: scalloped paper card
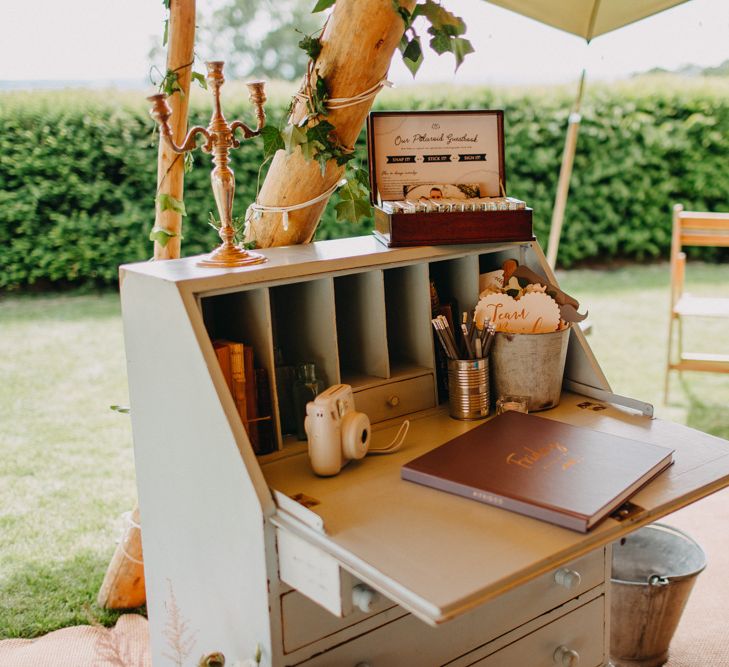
point(532, 313)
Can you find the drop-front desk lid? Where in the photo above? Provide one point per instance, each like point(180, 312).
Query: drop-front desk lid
point(439, 555)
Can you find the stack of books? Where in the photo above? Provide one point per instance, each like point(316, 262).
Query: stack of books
point(251, 392)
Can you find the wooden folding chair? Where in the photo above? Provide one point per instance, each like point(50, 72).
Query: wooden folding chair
point(694, 229)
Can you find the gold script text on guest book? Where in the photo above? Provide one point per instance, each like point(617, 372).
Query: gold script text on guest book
point(545, 456)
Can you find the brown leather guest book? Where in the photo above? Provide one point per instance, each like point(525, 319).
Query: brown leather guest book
point(567, 475)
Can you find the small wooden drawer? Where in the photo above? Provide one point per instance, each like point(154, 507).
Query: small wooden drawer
point(394, 399)
point(305, 622)
point(408, 641)
point(578, 634)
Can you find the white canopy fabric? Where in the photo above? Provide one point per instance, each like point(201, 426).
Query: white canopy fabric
point(587, 18)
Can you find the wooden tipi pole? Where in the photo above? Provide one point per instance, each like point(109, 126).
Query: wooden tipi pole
point(123, 586)
point(170, 165)
point(565, 173)
point(357, 46)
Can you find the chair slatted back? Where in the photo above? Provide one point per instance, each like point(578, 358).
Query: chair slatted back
point(702, 229)
point(693, 228)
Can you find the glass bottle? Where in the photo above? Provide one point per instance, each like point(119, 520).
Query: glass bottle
point(306, 387)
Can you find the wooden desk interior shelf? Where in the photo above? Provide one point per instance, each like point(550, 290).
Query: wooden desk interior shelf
point(369, 569)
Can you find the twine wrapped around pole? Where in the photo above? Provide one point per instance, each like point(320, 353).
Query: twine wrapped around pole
point(357, 46)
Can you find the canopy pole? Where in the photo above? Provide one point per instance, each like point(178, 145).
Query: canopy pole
point(565, 173)
point(123, 586)
point(170, 165)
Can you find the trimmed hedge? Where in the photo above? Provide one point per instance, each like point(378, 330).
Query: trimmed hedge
point(77, 172)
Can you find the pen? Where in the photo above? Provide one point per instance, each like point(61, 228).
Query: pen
point(438, 333)
point(467, 341)
point(490, 339)
point(448, 336)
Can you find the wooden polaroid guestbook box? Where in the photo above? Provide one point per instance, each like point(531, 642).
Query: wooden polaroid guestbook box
point(439, 178)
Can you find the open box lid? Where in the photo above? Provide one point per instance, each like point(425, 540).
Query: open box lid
point(408, 149)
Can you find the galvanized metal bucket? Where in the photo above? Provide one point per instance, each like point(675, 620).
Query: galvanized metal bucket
point(468, 388)
point(530, 365)
point(654, 570)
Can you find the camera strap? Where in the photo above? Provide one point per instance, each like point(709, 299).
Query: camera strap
point(396, 443)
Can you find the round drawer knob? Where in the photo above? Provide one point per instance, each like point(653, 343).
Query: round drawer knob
point(363, 597)
point(393, 401)
point(566, 657)
point(567, 578)
point(362, 664)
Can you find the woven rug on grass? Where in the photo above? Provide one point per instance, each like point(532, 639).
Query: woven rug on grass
point(124, 645)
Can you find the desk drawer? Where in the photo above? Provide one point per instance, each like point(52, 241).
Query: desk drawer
point(581, 631)
point(408, 641)
point(394, 399)
point(307, 624)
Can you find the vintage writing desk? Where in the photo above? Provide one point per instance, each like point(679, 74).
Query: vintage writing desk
point(369, 570)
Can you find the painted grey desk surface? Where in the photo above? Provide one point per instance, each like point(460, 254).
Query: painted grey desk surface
point(402, 533)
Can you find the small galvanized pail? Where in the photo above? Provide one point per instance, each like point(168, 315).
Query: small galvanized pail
point(654, 570)
point(530, 365)
point(468, 388)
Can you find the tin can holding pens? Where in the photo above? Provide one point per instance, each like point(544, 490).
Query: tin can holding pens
point(468, 388)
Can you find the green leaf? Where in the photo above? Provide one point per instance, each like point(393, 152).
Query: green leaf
point(321, 5)
point(200, 78)
point(440, 18)
point(461, 48)
point(440, 43)
point(362, 176)
point(413, 55)
point(189, 162)
point(321, 95)
point(169, 203)
point(170, 84)
point(162, 236)
point(292, 137)
point(351, 210)
point(166, 4)
point(321, 131)
point(311, 46)
point(403, 13)
point(166, 32)
point(272, 140)
point(123, 409)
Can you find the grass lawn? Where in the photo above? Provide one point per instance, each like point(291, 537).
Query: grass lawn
point(66, 467)
point(629, 312)
point(66, 470)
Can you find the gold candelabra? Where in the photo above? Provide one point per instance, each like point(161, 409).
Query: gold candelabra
point(220, 140)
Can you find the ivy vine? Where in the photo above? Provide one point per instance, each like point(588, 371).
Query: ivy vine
point(446, 31)
point(316, 137)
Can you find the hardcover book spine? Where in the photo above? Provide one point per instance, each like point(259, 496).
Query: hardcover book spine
point(237, 371)
point(222, 352)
